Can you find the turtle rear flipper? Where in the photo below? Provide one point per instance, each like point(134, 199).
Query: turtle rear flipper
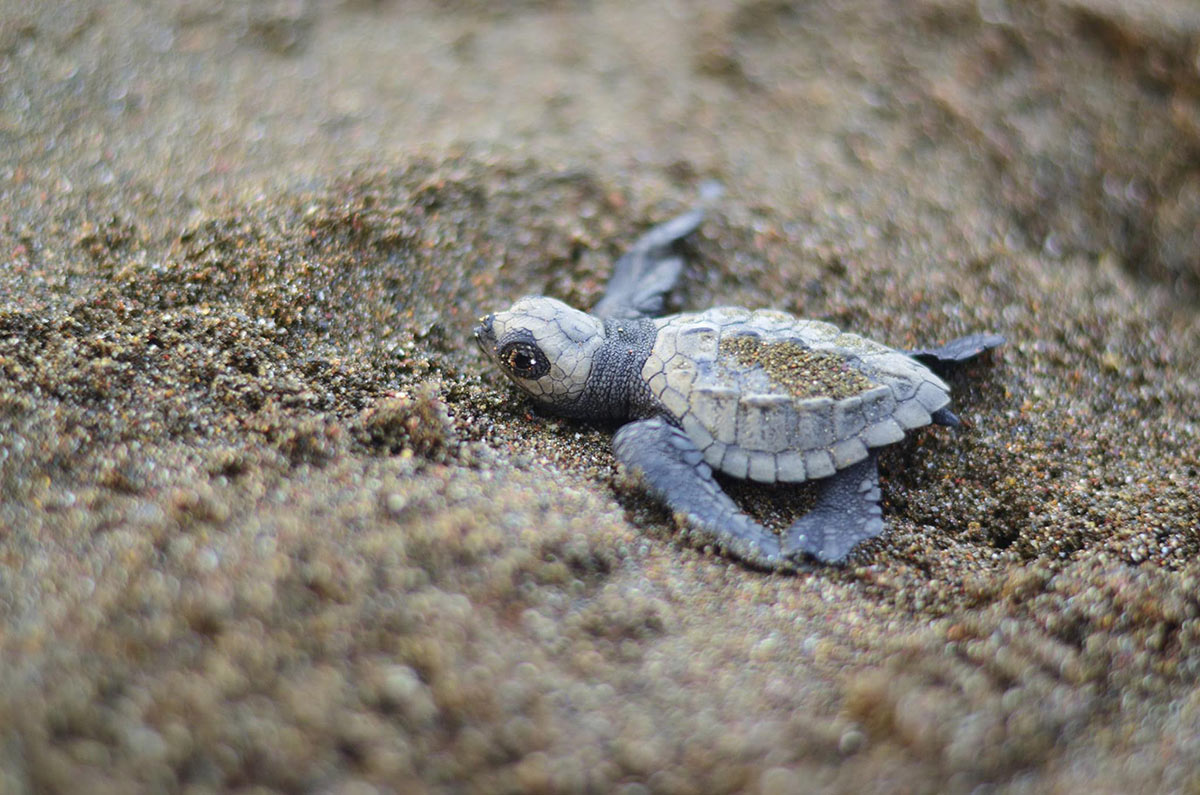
point(960, 350)
point(847, 512)
point(946, 417)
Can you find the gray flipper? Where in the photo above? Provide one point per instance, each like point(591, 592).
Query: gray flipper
point(672, 469)
point(847, 512)
point(642, 277)
point(959, 350)
point(946, 417)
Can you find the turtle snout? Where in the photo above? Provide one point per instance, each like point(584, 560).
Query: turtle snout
point(485, 336)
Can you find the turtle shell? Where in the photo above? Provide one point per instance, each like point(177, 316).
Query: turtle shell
point(775, 398)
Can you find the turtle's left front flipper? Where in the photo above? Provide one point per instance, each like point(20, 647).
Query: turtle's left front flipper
point(672, 469)
point(847, 512)
point(642, 277)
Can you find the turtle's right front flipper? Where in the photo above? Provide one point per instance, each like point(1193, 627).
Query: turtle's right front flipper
point(672, 469)
point(642, 277)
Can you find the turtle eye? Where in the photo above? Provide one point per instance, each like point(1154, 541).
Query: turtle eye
point(525, 360)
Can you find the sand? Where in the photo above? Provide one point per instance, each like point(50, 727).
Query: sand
point(270, 522)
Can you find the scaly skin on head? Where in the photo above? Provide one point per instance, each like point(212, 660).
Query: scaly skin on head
point(570, 362)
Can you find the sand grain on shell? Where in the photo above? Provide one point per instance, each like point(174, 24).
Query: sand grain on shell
point(801, 372)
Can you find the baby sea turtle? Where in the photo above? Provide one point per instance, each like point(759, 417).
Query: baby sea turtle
point(758, 394)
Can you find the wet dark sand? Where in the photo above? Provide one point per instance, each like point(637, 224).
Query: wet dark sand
point(269, 522)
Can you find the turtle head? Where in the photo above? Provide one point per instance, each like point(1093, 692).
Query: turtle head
point(545, 347)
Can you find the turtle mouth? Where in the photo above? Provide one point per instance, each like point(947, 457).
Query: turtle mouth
point(485, 336)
